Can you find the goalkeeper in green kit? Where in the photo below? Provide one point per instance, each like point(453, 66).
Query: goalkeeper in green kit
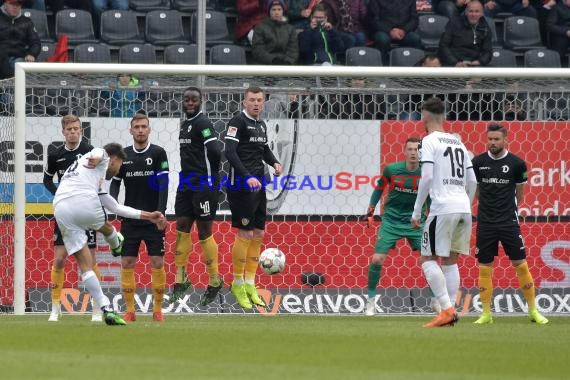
point(400, 179)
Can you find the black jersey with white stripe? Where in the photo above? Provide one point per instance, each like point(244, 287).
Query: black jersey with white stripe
point(59, 160)
point(200, 154)
point(497, 180)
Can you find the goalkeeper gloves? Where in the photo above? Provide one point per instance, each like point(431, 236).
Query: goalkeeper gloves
point(370, 216)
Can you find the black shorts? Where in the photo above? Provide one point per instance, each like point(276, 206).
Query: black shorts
point(249, 209)
point(136, 233)
point(91, 237)
point(198, 205)
point(489, 236)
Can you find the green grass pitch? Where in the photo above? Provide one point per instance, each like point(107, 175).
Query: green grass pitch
point(282, 347)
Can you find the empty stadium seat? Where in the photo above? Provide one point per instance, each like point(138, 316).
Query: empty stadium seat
point(503, 58)
point(363, 56)
point(149, 5)
point(77, 24)
point(181, 54)
point(430, 29)
point(542, 58)
point(521, 33)
point(47, 50)
point(164, 28)
point(92, 53)
point(405, 56)
point(190, 5)
point(227, 54)
point(137, 53)
point(39, 18)
point(217, 31)
point(120, 27)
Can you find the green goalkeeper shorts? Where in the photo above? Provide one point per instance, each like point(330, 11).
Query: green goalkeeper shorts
point(391, 232)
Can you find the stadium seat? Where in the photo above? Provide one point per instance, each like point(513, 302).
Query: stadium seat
point(190, 5)
point(227, 54)
point(542, 58)
point(164, 28)
point(503, 58)
point(217, 31)
point(137, 53)
point(149, 5)
point(181, 54)
point(521, 33)
point(405, 56)
point(92, 53)
point(77, 24)
point(430, 29)
point(39, 18)
point(120, 27)
point(363, 56)
point(47, 50)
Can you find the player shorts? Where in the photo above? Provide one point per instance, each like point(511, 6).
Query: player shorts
point(91, 237)
point(75, 215)
point(446, 233)
point(489, 236)
point(136, 233)
point(391, 232)
point(198, 205)
point(249, 209)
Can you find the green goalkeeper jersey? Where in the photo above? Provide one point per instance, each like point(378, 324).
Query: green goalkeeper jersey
point(402, 186)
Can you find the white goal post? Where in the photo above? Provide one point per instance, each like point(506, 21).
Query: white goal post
point(402, 79)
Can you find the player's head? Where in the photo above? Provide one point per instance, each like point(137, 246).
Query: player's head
point(71, 130)
point(496, 139)
point(253, 101)
point(411, 149)
point(116, 157)
point(433, 114)
point(140, 129)
point(192, 101)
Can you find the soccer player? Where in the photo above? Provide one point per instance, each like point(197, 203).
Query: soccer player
point(501, 176)
point(448, 177)
point(400, 180)
point(57, 162)
point(79, 204)
point(197, 195)
point(145, 162)
point(247, 152)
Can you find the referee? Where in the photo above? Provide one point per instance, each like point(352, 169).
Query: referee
point(501, 177)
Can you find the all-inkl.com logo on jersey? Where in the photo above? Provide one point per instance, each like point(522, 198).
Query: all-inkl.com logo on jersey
point(338, 181)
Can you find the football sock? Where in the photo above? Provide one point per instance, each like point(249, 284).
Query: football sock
point(373, 279)
point(436, 281)
point(526, 284)
point(112, 239)
point(485, 287)
point(56, 285)
point(158, 284)
point(183, 246)
point(210, 248)
point(94, 287)
point(97, 271)
point(451, 273)
point(252, 262)
point(239, 254)
point(128, 288)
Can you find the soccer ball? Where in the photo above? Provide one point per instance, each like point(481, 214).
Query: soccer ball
point(272, 261)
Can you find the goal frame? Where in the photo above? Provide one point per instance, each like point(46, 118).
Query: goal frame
point(199, 71)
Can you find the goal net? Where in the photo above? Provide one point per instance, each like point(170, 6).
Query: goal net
point(333, 129)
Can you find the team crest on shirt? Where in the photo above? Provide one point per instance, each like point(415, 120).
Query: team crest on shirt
point(148, 160)
point(232, 131)
point(189, 128)
point(206, 133)
point(245, 221)
point(505, 168)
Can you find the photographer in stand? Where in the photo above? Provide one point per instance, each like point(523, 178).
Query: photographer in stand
point(320, 42)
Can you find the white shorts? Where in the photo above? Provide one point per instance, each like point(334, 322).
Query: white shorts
point(76, 214)
point(446, 233)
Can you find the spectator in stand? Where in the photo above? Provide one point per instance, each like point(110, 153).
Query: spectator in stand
point(274, 40)
point(58, 5)
point(100, 6)
point(451, 8)
point(516, 7)
point(467, 40)
point(249, 14)
point(31, 4)
point(424, 5)
point(18, 38)
point(349, 18)
point(126, 97)
point(299, 13)
point(543, 8)
point(394, 23)
point(558, 24)
point(320, 42)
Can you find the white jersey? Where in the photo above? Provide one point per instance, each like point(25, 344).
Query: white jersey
point(450, 161)
point(78, 180)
